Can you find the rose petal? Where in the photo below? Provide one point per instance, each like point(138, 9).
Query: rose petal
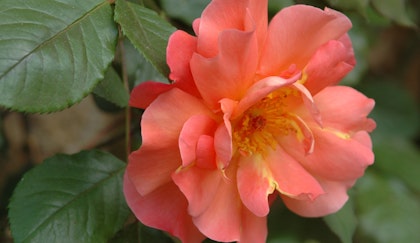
point(334, 198)
point(296, 32)
point(199, 186)
point(170, 214)
point(152, 164)
point(223, 146)
point(254, 228)
point(163, 120)
point(255, 183)
point(291, 178)
point(222, 15)
point(260, 90)
point(231, 72)
point(328, 66)
point(206, 154)
point(334, 157)
point(149, 167)
point(221, 221)
point(345, 109)
point(181, 47)
point(192, 130)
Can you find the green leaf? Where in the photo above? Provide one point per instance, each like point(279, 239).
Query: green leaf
point(185, 10)
point(388, 211)
point(343, 223)
point(53, 53)
point(138, 68)
point(394, 10)
point(112, 89)
point(146, 30)
point(397, 157)
point(70, 198)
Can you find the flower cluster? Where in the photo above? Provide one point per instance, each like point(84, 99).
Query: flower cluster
point(254, 113)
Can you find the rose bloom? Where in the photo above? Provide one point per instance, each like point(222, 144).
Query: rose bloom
point(254, 113)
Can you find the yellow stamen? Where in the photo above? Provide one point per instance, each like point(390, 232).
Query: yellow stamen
point(255, 132)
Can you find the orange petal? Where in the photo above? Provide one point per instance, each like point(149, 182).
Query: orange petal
point(260, 90)
point(150, 167)
point(206, 154)
point(328, 66)
point(296, 32)
point(193, 129)
point(162, 121)
point(199, 187)
point(165, 209)
point(181, 47)
point(334, 157)
point(255, 183)
point(254, 228)
point(334, 198)
point(231, 72)
point(221, 15)
point(345, 109)
point(291, 178)
point(222, 220)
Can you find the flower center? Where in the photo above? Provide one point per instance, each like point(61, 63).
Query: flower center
point(257, 130)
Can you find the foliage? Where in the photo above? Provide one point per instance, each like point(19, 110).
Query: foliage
point(53, 53)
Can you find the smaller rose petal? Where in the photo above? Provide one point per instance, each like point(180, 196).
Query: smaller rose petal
point(345, 109)
point(292, 179)
point(255, 183)
point(169, 214)
point(334, 198)
point(193, 129)
point(254, 228)
point(328, 66)
point(199, 186)
point(335, 156)
point(296, 32)
point(181, 47)
point(206, 154)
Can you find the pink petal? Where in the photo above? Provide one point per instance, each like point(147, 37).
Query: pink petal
point(152, 164)
point(150, 167)
point(199, 186)
point(231, 72)
point(163, 120)
point(222, 221)
point(254, 228)
point(145, 93)
point(206, 154)
point(309, 102)
point(334, 157)
point(165, 209)
point(334, 198)
point(328, 66)
point(222, 15)
point(261, 89)
point(255, 183)
point(181, 47)
point(223, 145)
point(345, 109)
point(291, 178)
point(296, 32)
point(193, 128)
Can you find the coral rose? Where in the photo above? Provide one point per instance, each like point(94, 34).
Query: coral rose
point(254, 113)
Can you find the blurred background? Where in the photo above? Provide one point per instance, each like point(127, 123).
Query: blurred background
point(385, 203)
